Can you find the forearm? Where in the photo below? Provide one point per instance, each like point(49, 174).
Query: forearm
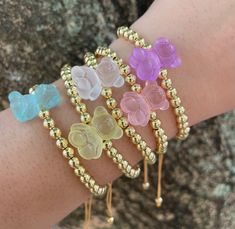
point(39, 188)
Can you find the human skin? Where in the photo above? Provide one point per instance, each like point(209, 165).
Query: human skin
point(37, 186)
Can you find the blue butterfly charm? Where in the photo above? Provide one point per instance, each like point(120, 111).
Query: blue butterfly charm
point(27, 107)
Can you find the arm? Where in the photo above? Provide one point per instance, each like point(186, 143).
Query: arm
point(38, 187)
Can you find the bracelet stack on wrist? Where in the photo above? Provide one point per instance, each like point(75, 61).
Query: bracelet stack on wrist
point(151, 91)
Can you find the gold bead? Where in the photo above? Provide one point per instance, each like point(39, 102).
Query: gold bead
point(164, 138)
point(156, 124)
point(121, 30)
point(179, 110)
point(158, 202)
point(68, 152)
point(183, 118)
point(159, 132)
point(108, 144)
point(74, 162)
point(166, 84)
point(106, 92)
point(130, 79)
point(48, 123)
point(119, 61)
point(136, 138)
point(143, 145)
point(146, 185)
point(32, 89)
point(147, 151)
point(134, 36)
point(119, 157)
point(61, 143)
point(110, 220)
point(176, 102)
point(44, 114)
point(113, 55)
point(130, 131)
point(68, 84)
point(72, 91)
point(113, 152)
point(87, 178)
point(153, 116)
point(55, 132)
point(123, 122)
point(183, 125)
point(81, 107)
point(172, 93)
point(75, 100)
point(136, 88)
point(117, 113)
point(85, 118)
point(163, 74)
point(125, 69)
point(140, 42)
point(111, 103)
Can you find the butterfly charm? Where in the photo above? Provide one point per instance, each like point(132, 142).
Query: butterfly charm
point(27, 107)
point(89, 82)
point(139, 106)
point(88, 139)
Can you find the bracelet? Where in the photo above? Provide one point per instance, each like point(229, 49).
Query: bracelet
point(165, 53)
point(42, 98)
point(111, 103)
point(155, 123)
point(102, 140)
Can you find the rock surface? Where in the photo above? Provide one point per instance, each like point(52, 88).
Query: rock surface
point(37, 37)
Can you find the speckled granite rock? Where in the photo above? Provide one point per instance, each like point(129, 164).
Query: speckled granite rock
point(37, 37)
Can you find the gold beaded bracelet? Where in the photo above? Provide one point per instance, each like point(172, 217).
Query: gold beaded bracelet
point(85, 117)
point(68, 152)
point(175, 101)
point(155, 123)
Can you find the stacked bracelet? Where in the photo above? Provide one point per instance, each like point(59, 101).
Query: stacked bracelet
point(100, 115)
point(167, 54)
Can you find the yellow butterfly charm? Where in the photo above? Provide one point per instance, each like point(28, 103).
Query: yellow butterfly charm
point(88, 139)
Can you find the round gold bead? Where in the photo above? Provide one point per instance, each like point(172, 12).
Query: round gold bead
point(48, 123)
point(130, 131)
point(119, 61)
point(163, 74)
point(121, 30)
point(68, 84)
point(176, 102)
point(74, 162)
point(183, 118)
point(106, 92)
point(125, 69)
point(111, 103)
point(85, 118)
point(146, 185)
point(110, 220)
point(130, 79)
point(136, 138)
point(113, 151)
point(81, 107)
point(183, 125)
point(143, 145)
point(136, 88)
point(140, 42)
point(113, 55)
point(108, 144)
point(172, 93)
point(159, 132)
point(68, 152)
point(61, 143)
point(166, 84)
point(164, 138)
point(156, 124)
point(44, 114)
point(153, 116)
point(123, 122)
point(75, 100)
point(133, 36)
point(179, 110)
point(117, 113)
point(72, 91)
point(55, 132)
